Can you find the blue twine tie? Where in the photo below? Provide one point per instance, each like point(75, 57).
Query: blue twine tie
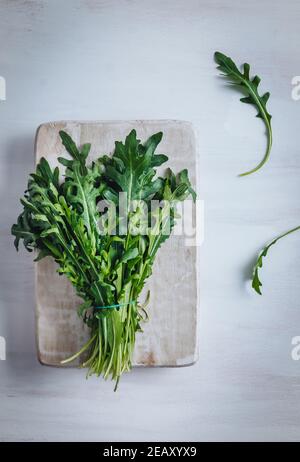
point(114, 306)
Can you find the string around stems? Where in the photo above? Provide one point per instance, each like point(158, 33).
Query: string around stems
point(115, 306)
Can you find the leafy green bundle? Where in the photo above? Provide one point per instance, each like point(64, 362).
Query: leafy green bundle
point(108, 269)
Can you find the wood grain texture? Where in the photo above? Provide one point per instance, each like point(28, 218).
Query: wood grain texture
point(170, 337)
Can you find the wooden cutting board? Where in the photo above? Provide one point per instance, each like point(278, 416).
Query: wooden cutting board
point(170, 336)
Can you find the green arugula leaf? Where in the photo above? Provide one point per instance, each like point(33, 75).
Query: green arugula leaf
point(256, 282)
point(250, 87)
point(79, 188)
point(131, 168)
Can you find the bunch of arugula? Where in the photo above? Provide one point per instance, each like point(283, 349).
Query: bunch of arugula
point(256, 282)
point(108, 270)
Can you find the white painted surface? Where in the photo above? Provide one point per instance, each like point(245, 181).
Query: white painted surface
point(147, 60)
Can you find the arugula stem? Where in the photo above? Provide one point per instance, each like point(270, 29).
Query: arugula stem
point(269, 137)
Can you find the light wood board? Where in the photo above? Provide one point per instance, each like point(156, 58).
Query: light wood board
point(170, 336)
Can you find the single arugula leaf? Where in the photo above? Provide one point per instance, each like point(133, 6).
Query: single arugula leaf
point(80, 188)
point(71, 147)
point(250, 87)
point(107, 271)
point(256, 282)
point(41, 189)
point(130, 254)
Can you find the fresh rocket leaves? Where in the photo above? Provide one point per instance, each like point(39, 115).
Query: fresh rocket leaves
point(249, 86)
point(107, 269)
point(256, 282)
point(131, 168)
